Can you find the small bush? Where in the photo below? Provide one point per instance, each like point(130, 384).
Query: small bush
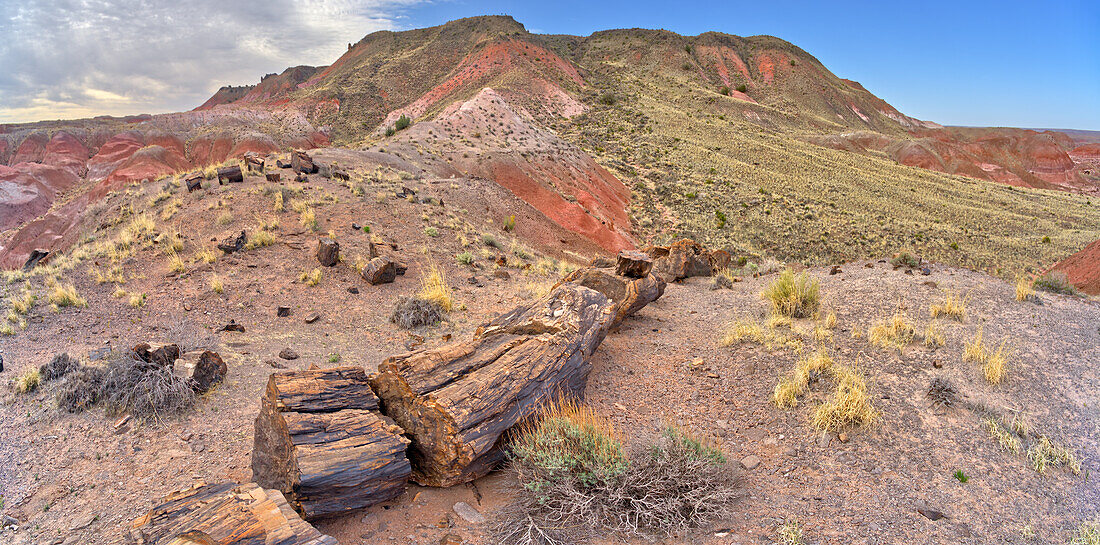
point(206, 255)
point(789, 533)
point(1056, 282)
point(1024, 289)
point(311, 278)
point(413, 312)
point(465, 258)
point(137, 300)
point(81, 390)
point(225, 218)
point(960, 476)
point(431, 231)
point(145, 390)
point(849, 406)
point(607, 99)
point(28, 381)
point(742, 88)
point(491, 241)
point(510, 223)
point(402, 123)
point(797, 296)
point(953, 306)
point(216, 284)
point(725, 90)
point(59, 366)
point(905, 259)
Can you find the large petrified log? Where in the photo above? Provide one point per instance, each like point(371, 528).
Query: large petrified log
point(456, 401)
point(230, 174)
point(629, 295)
point(322, 443)
point(241, 514)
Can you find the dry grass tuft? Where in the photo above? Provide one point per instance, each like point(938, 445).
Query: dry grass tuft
point(1044, 453)
point(1024, 289)
point(434, 288)
point(896, 332)
point(260, 239)
point(59, 366)
point(806, 371)
point(796, 296)
point(311, 278)
point(308, 219)
point(28, 381)
point(176, 263)
point(216, 284)
point(206, 255)
point(933, 335)
point(137, 300)
point(81, 390)
point(953, 306)
point(850, 405)
point(1088, 533)
point(1008, 441)
point(65, 295)
point(994, 362)
point(413, 312)
point(789, 533)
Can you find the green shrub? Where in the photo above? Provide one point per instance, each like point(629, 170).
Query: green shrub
point(725, 90)
point(402, 123)
point(905, 259)
point(797, 296)
point(465, 258)
point(742, 88)
point(1056, 282)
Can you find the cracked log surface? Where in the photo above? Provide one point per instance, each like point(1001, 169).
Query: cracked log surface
point(456, 401)
point(321, 441)
point(242, 514)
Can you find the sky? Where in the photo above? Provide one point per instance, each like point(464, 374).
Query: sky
point(1008, 63)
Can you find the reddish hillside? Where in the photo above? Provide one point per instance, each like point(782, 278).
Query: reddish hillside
point(225, 95)
point(1083, 268)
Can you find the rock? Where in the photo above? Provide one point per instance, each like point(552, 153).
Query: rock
point(451, 539)
point(233, 243)
point(629, 295)
point(302, 163)
point(36, 256)
point(633, 264)
point(253, 162)
point(380, 270)
point(82, 522)
point(233, 326)
point(501, 274)
point(275, 364)
point(602, 262)
point(1, 363)
point(474, 281)
point(279, 163)
point(163, 355)
point(750, 461)
point(340, 174)
point(301, 178)
point(229, 175)
point(353, 290)
point(288, 354)
point(685, 258)
point(282, 312)
point(468, 513)
point(928, 512)
point(328, 252)
point(209, 371)
point(824, 439)
point(835, 270)
point(273, 176)
point(355, 226)
point(719, 259)
point(843, 437)
point(312, 318)
point(926, 271)
point(400, 268)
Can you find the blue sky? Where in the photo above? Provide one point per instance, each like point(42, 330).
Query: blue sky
point(1009, 63)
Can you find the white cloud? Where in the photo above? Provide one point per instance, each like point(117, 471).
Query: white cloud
point(80, 58)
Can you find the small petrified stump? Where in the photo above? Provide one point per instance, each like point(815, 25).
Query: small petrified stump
point(457, 400)
point(321, 441)
point(272, 176)
point(633, 264)
point(253, 162)
point(340, 174)
point(233, 243)
point(328, 252)
point(380, 270)
point(193, 181)
point(230, 174)
point(163, 355)
point(242, 514)
point(209, 371)
point(302, 163)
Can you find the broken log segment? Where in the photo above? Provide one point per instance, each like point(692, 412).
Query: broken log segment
point(321, 441)
point(328, 252)
point(634, 264)
point(302, 163)
point(241, 514)
point(230, 174)
point(456, 401)
point(629, 295)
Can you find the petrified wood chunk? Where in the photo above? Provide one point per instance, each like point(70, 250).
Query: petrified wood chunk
point(231, 174)
point(328, 252)
point(272, 176)
point(302, 163)
point(686, 258)
point(321, 441)
point(629, 295)
point(380, 270)
point(456, 401)
point(254, 162)
point(634, 264)
point(209, 371)
point(193, 181)
point(224, 513)
point(233, 243)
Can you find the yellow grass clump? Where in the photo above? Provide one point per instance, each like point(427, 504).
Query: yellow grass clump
point(434, 288)
point(849, 406)
point(953, 306)
point(206, 255)
point(25, 304)
point(65, 295)
point(216, 284)
point(1006, 439)
point(806, 370)
point(1024, 289)
point(176, 263)
point(279, 205)
point(311, 278)
point(796, 296)
point(933, 335)
point(28, 381)
point(308, 219)
point(994, 362)
point(896, 332)
point(137, 300)
point(260, 239)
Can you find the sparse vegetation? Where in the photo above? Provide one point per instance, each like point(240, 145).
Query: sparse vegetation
point(308, 219)
point(260, 239)
point(1044, 454)
point(414, 312)
point(994, 362)
point(796, 296)
point(145, 390)
point(806, 371)
point(434, 288)
point(849, 406)
point(953, 306)
point(137, 300)
point(896, 332)
point(1024, 289)
point(510, 223)
point(311, 278)
point(1056, 282)
point(216, 284)
point(27, 381)
point(1088, 533)
point(58, 366)
point(905, 259)
point(960, 476)
point(790, 532)
point(465, 258)
point(65, 295)
point(933, 335)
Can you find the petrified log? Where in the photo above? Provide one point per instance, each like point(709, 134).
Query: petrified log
point(164, 355)
point(634, 264)
point(253, 162)
point(231, 174)
point(302, 163)
point(719, 259)
point(686, 258)
point(629, 295)
point(233, 243)
point(456, 401)
point(328, 252)
point(322, 443)
point(380, 270)
point(340, 174)
point(241, 514)
point(272, 176)
point(209, 371)
point(193, 181)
